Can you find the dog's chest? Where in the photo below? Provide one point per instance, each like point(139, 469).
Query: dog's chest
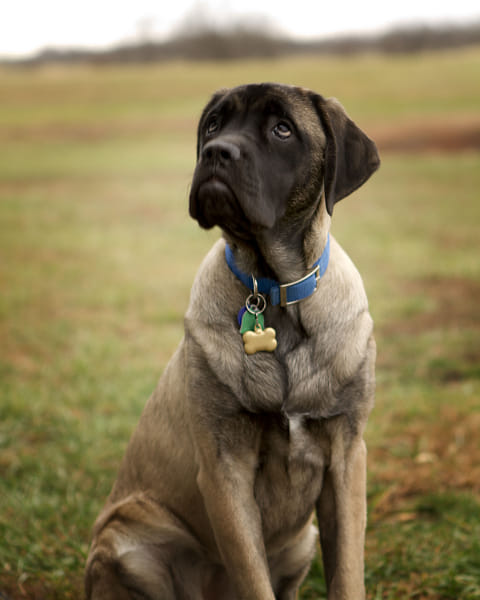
point(289, 474)
point(290, 381)
point(304, 451)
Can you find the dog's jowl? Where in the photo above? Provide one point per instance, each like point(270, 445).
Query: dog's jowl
point(257, 422)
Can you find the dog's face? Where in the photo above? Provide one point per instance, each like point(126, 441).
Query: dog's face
point(266, 151)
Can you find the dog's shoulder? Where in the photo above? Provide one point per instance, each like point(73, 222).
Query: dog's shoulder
point(346, 283)
point(338, 340)
point(212, 284)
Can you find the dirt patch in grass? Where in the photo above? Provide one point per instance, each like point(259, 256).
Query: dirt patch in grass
point(10, 589)
point(456, 133)
point(455, 300)
point(438, 341)
point(426, 458)
point(439, 451)
point(25, 591)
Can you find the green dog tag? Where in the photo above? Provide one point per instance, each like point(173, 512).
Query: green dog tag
point(249, 321)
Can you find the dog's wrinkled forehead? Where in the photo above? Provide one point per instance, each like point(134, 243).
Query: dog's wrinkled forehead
point(259, 96)
point(263, 98)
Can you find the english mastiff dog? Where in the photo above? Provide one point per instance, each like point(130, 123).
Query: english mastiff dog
point(257, 422)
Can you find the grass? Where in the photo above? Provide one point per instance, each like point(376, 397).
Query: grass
point(98, 255)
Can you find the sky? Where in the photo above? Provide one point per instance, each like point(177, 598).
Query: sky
point(27, 26)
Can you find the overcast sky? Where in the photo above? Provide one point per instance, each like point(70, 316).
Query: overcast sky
point(29, 25)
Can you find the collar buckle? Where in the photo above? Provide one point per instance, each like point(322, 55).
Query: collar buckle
point(285, 287)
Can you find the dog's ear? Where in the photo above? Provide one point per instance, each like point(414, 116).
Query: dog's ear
point(350, 156)
point(213, 100)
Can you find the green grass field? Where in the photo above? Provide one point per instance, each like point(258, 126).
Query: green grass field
point(97, 255)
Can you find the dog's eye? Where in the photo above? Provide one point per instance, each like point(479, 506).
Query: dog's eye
point(212, 125)
point(282, 130)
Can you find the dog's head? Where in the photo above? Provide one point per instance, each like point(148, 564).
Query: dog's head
point(265, 152)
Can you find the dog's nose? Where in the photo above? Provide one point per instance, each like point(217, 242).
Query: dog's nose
point(220, 151)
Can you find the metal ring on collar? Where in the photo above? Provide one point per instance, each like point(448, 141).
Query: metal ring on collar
point(256, 304)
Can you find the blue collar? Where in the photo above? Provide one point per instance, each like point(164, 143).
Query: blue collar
point(287, 293)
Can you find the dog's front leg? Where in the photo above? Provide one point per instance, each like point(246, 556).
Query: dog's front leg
point(341, 512)
point(228, 461)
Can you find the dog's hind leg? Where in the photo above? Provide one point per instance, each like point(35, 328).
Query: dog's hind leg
point(135, 575)
point(134, 553)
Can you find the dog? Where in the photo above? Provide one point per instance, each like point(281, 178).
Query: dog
point(257, 423)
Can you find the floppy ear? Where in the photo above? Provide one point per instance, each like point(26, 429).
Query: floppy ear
point(350, 156)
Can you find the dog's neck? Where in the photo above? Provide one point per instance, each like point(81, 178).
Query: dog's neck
point(280, 254)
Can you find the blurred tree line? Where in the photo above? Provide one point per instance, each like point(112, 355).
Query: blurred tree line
point(241, 41)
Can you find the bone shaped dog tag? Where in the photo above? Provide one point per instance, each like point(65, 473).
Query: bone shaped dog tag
point(259, 340)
